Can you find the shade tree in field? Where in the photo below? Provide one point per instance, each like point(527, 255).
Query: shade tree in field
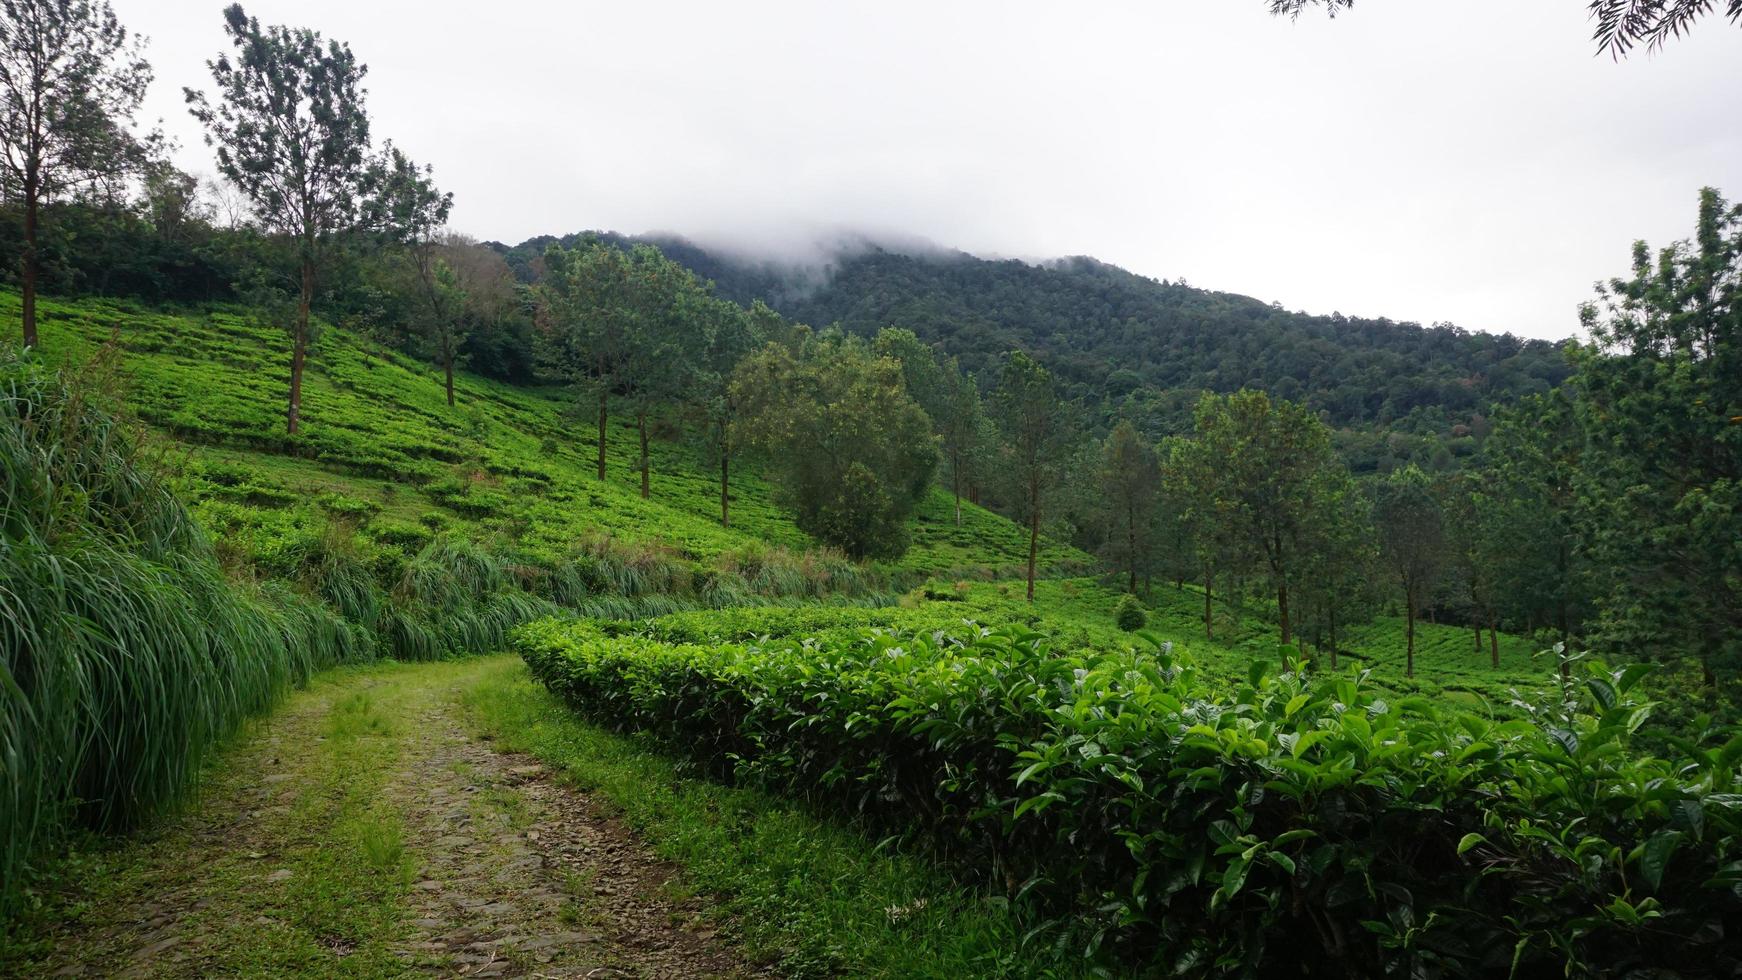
point(1272, 467)
point(291, 132)
point(1658, 398)
point(1528, 529)
point(657, 353)
point(1130, 480)
point(1340, 574)
point(1411, 542)
point(1191, 481)
point(725, 334)
point(410, 212)
point(1037, 439)
point(848, 448)
point(585, 313)
point(71, 80)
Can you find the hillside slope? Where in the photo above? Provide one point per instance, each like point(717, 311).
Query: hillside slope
point(382, 451)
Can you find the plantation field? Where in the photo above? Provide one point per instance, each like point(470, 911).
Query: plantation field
point(1158, 816)
point(380, 450)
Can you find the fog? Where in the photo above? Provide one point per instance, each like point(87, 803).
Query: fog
point(1465, 160)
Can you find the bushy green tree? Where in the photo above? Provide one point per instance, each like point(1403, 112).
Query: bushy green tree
point(849, 449)
point(1659, 400)
point(1274, 471)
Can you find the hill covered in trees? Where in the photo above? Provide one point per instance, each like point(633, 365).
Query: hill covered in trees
point(1139, 347)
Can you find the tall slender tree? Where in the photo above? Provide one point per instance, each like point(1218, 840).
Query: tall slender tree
point(1032, 420)
point(1131, 486)
point(1412, 541)
point(71, 81)
point(585, 313)
point(409, 210)
point(962, 428)
point(728, 333)
point(292, 133)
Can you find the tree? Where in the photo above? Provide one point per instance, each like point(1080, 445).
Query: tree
point(1620, 23)
point(1131, 478)
point(1032, 421)
point(1277, 471)
point(71, 80)
point(658, 350)
point(728, 333)
point(292, 134)
point(850, 450)
point(585, 314)
point(961, 424)
point(1337, 586)
point(1192, 480)
point(410, 212)
point(1411, 541)
point(1659, 402)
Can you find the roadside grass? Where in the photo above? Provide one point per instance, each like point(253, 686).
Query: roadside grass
point(807, 894)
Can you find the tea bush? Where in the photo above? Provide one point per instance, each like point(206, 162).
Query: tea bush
point(1293, 824)
point(1128, 615)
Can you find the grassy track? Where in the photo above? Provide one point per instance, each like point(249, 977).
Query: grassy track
point(373, 827)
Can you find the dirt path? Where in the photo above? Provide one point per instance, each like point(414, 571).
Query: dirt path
point(364, 831)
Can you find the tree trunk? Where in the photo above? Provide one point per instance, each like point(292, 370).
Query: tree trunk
point(956, 485)
point(725, 483)
point(1409, 631)
point(29, 262)
point(448, 370)
point(1209, 620)
point(646, 474)
point(1478, 636)
point(1494, 643)
point(1282, 611)
point(299, 346)
point(604, 397)
point(1131, 547)
point(1033, 542)
point(1331, 627)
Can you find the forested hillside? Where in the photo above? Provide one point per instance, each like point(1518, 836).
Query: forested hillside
point(1144, 349)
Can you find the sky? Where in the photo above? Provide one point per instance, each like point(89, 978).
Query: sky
point(1471, 161)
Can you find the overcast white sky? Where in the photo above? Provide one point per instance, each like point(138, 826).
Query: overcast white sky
point(1408, 159)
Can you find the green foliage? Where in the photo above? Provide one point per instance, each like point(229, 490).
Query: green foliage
point(1659, 401)
point(1129, 614)
point(851, 451)
point(1292, 821)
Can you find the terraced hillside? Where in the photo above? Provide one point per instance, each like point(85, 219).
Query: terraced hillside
point(381, 452)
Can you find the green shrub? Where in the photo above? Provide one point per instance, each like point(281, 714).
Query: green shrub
point(1292, 825)
point(1128, 615)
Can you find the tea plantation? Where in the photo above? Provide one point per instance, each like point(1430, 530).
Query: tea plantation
point(956, 781)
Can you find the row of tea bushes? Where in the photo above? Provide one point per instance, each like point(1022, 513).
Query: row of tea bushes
point(1296, 825)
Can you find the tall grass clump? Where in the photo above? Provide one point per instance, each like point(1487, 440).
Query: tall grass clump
point(124, 651)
